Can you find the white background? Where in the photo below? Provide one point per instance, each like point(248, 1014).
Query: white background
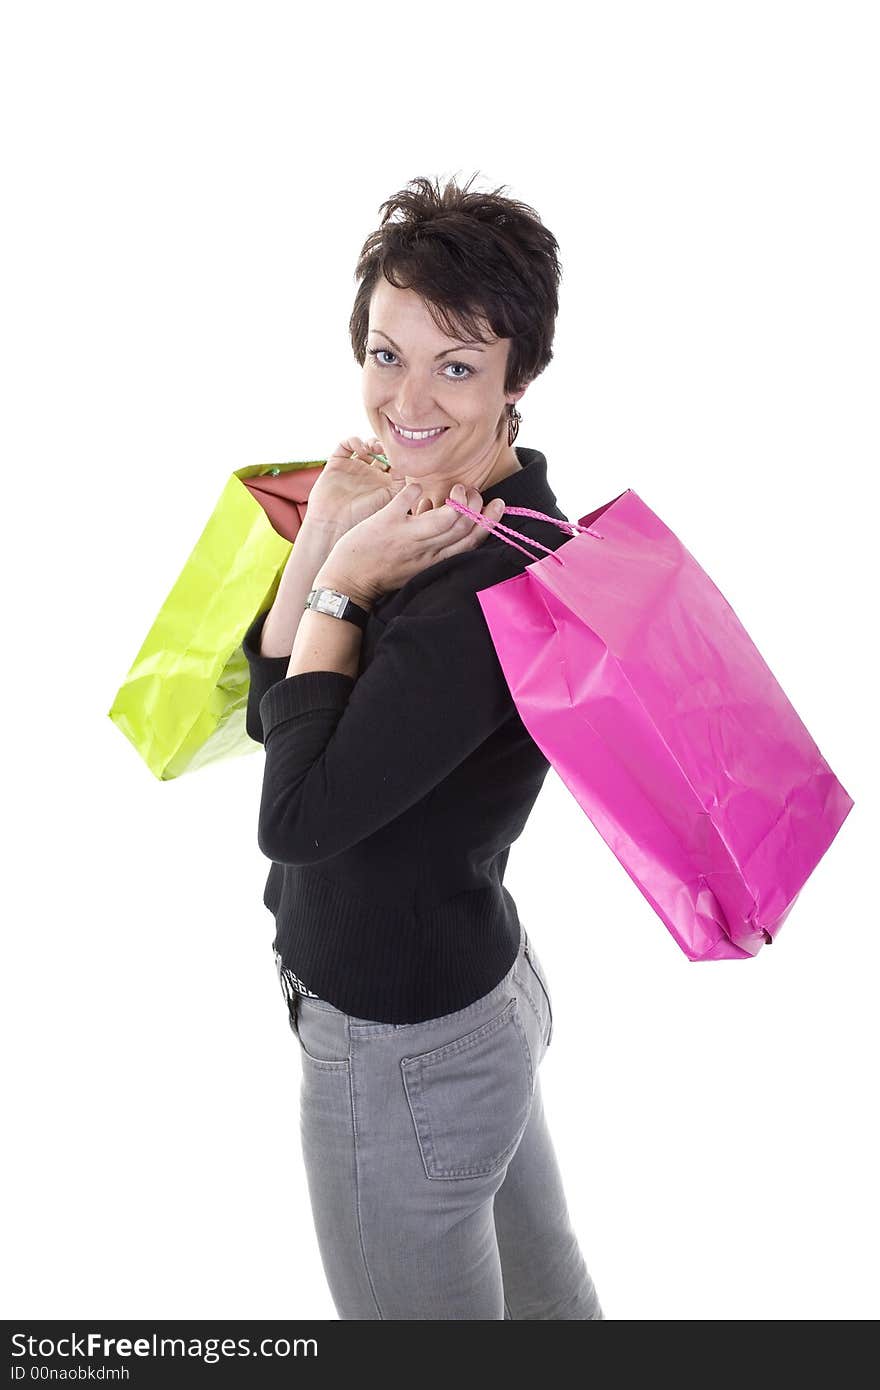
point(187, 188)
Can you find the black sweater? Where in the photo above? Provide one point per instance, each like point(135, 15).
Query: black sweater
point(390, 802)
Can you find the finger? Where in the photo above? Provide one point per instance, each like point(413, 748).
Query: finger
point(469, 498)
point(476, 532)
point(447, 525)
point(493, 511)
point(377, 456)
point(347, 446)
point(359, 448)
point(407, 499)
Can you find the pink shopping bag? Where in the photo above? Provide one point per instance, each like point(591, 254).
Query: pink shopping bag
point(642, 688)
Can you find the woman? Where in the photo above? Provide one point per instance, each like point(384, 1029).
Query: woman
point(398, 774)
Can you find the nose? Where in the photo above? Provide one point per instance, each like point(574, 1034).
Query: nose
point(415, 417)
point(416, 411)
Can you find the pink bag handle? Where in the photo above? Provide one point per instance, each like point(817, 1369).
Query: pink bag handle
point(573, 526)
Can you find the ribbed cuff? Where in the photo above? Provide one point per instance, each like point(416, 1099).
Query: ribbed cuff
point(309, 690)
point(250, 645)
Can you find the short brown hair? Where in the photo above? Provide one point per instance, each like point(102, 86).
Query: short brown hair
point(473, 258)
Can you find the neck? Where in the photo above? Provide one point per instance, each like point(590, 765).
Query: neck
point(505, 463)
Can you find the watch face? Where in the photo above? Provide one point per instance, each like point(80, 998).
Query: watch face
point(328, 601)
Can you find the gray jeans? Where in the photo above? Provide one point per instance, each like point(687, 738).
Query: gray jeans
point(433, 1181)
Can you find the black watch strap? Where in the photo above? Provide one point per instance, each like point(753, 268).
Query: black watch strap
point(337, 605)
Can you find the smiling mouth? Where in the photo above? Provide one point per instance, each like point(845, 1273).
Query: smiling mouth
point(433, 432)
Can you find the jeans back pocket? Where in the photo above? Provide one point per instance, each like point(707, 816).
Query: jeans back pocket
point(470, 1099)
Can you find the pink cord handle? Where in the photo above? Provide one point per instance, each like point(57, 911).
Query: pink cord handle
point(573, 526)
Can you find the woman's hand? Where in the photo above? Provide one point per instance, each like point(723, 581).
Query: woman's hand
point(380, 554)
point(349, 490)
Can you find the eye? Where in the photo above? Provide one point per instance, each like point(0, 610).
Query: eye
point(374, 353)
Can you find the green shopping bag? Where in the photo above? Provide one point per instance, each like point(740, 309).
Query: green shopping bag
point(183, 703)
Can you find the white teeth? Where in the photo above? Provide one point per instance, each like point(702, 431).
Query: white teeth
point(417, 434)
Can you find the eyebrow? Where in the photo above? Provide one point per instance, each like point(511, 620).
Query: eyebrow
point(468, 347)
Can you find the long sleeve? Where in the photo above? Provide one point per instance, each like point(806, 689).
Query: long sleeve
point(265, 671)
point(345, 757)
point(392, 795)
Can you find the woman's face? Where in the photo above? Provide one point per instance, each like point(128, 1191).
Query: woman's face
point(416, 377)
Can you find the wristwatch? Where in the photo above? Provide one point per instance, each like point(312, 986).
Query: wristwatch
point(337, 605)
